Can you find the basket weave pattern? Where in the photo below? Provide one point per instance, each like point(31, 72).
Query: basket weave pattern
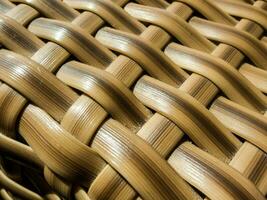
point(121, 99)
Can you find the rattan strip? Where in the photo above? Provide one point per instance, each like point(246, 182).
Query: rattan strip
point(75, 112)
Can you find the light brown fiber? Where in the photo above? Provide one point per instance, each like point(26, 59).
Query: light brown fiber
point(133, 99)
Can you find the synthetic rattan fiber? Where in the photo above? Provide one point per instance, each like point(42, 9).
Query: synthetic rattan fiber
point(133, 99)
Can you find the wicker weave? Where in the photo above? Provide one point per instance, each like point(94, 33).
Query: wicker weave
point(145, 99)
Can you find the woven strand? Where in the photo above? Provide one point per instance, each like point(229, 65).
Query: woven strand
point(145, 99)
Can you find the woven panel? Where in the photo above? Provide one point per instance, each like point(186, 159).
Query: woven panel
point(121, 99)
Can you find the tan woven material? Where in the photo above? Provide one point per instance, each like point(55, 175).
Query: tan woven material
point(121, 99)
